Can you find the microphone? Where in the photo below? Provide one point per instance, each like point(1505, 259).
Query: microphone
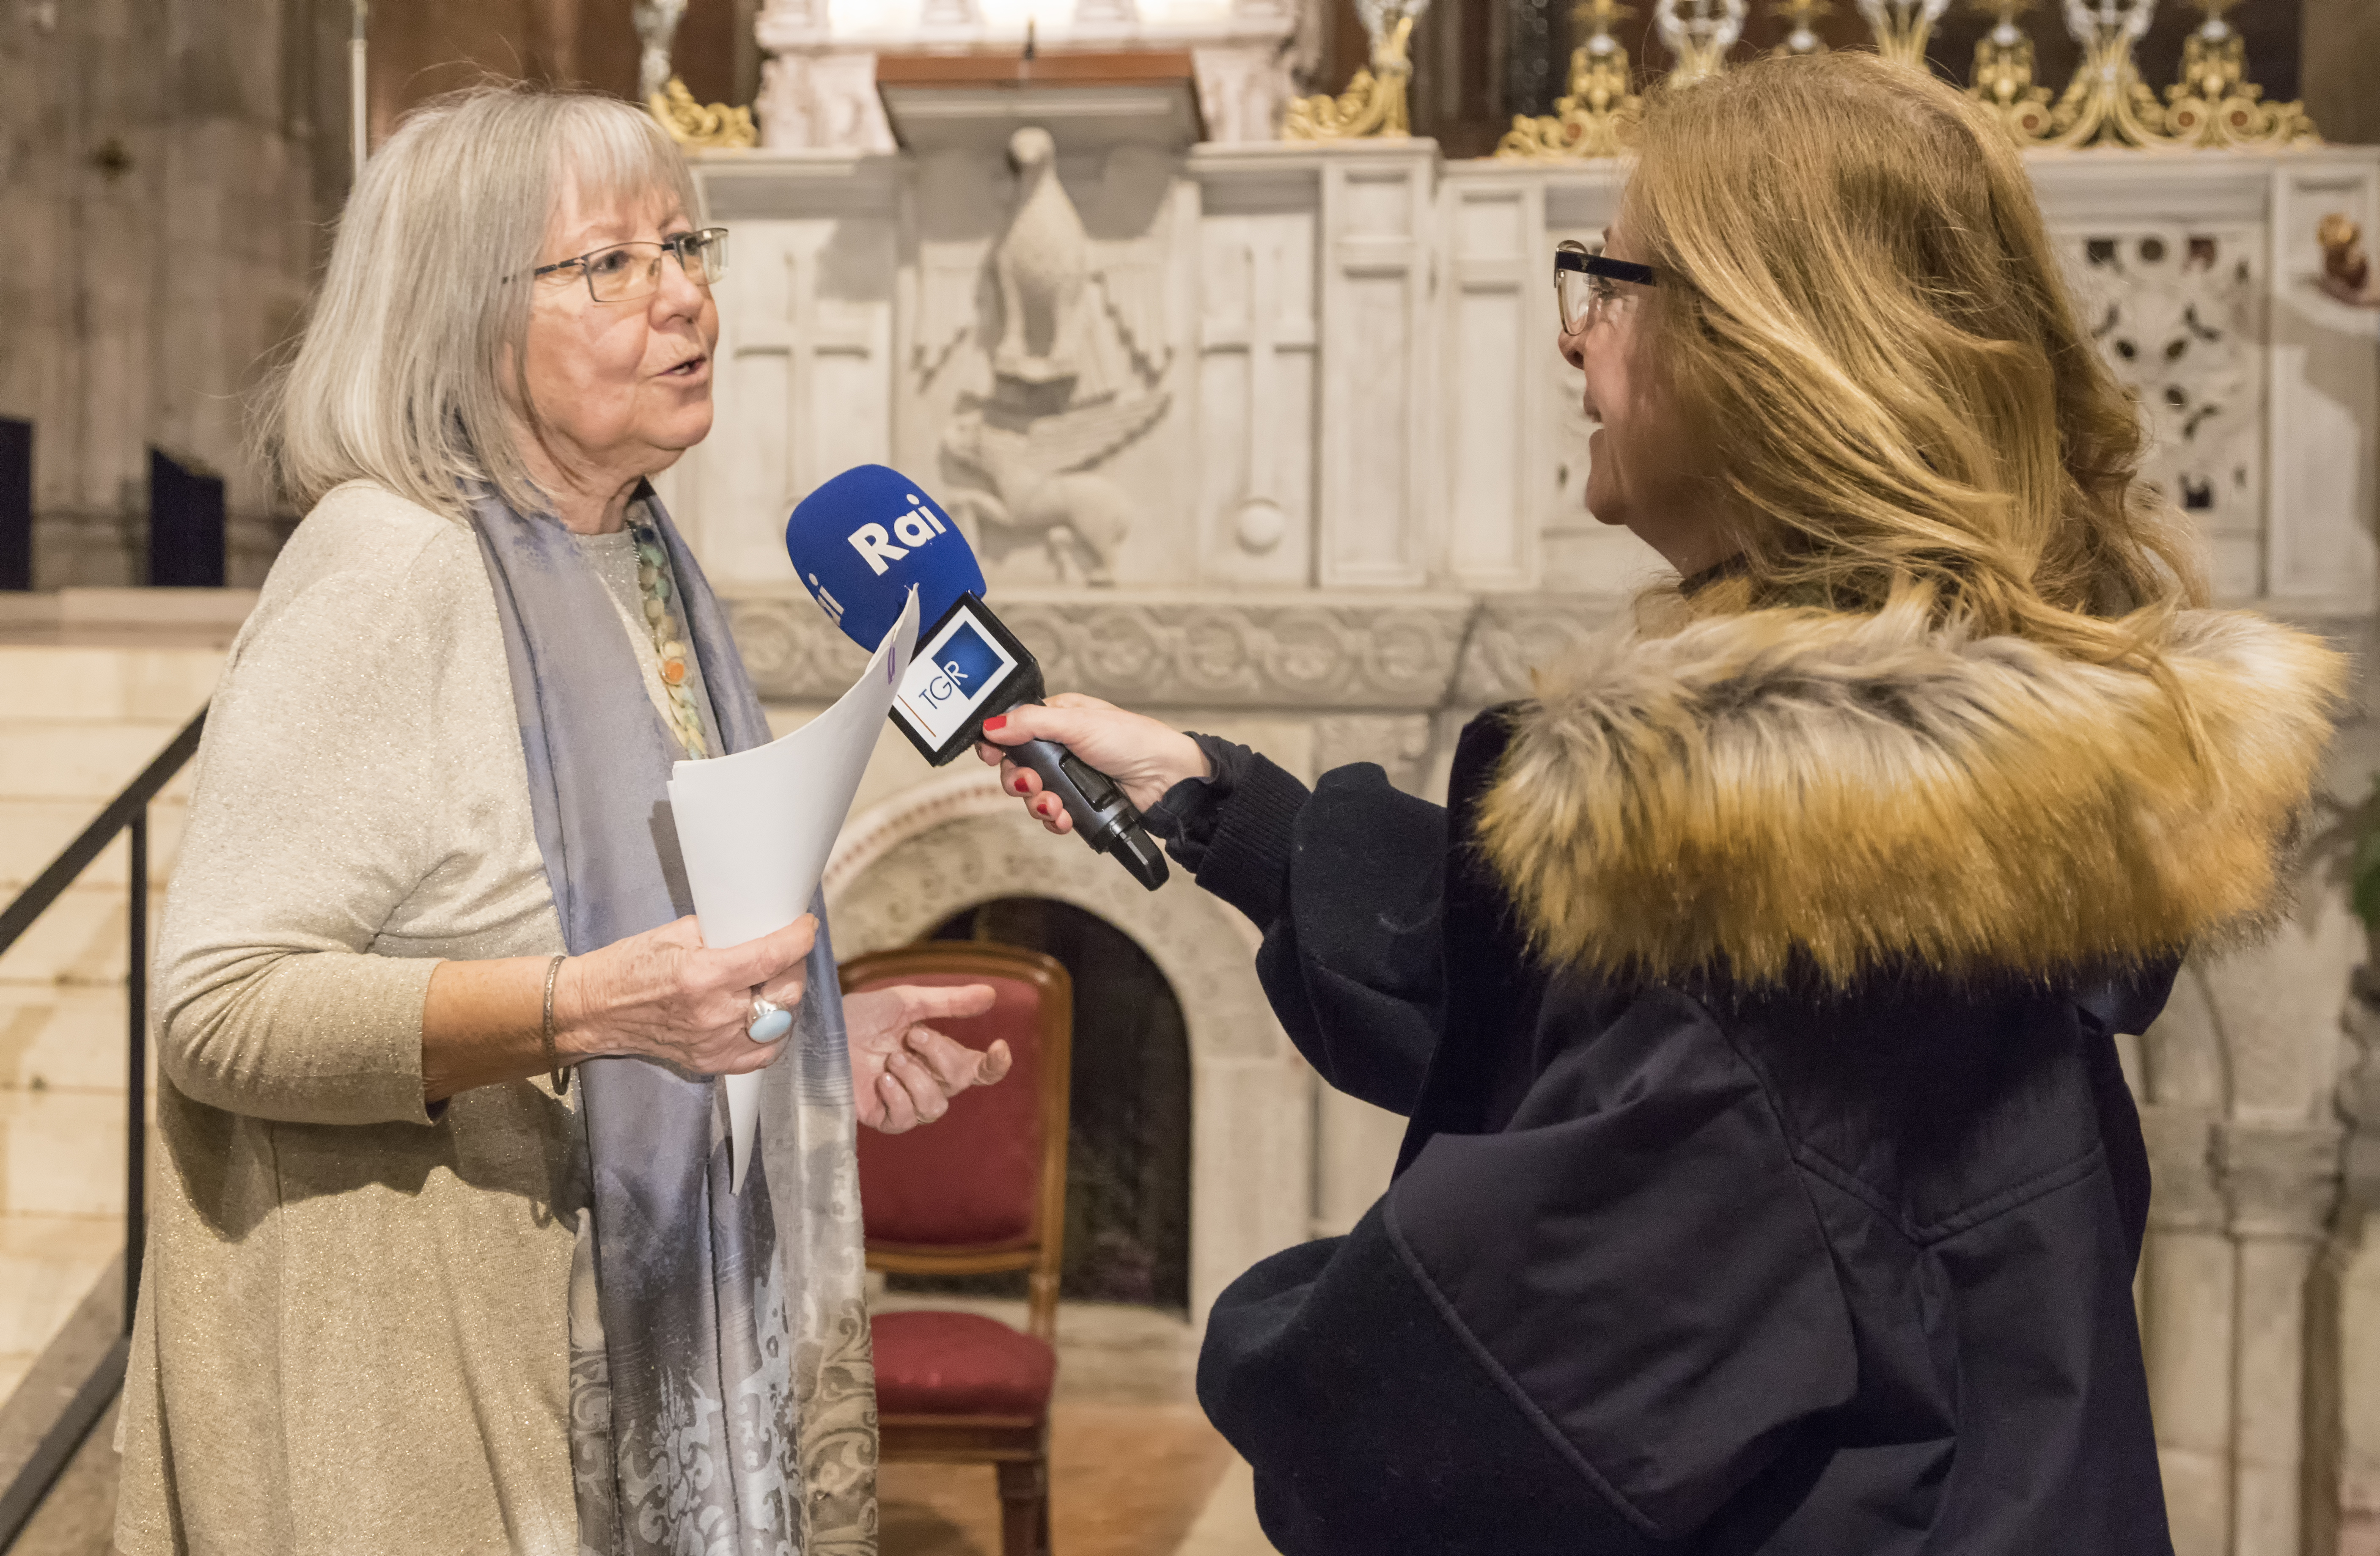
point(861, 543)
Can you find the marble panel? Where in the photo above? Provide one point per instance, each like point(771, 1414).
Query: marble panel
point(47, 1266)
point(1354, 1151)
point(33, 831)
point(72, 759)
point(96, 684)
point(2325, 406)
point(66, 1040)
point(79, 939)
point(61, 1154)
point(1256, 348)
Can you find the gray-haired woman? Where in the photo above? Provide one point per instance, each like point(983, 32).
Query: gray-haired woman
point(400, 1295)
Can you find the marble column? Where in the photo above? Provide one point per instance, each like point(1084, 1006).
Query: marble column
point(2280, 1184)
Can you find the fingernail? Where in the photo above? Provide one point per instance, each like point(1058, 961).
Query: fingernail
point(996, 721)
point(1019, 784)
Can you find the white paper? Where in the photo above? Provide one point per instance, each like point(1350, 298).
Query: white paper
point(755, 829)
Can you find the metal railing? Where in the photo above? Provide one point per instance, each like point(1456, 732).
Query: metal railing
point(127, 811)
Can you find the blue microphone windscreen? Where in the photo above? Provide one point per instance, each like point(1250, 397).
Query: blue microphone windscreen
point(861, 541)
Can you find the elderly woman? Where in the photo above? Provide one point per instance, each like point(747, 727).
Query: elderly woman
point(401, 1296)
point(1771, 1183)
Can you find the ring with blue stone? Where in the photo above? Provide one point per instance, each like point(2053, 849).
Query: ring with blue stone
point(770, 1020)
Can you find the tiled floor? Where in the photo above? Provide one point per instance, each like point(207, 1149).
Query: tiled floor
point(1135, 1468)
point(1129, 1477)
point(1126, 1480)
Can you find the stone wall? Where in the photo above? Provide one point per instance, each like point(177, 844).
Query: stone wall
point(165, 191)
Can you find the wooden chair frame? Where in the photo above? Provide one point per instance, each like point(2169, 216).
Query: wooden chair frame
point(1017, 1447)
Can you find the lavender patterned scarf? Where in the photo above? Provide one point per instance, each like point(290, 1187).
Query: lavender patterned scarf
point(721, 1399)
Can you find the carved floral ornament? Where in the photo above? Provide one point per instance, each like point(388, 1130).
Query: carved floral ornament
point(1592, 118)
point(1396, 653)
point(2213, 105)
point(1373, 103)
point(689, 123)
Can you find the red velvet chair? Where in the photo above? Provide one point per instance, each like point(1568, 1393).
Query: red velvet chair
point(982, 1189)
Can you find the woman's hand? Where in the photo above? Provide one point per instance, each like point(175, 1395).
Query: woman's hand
point(1144, 757)
point(903, 1072)
point(664, 995)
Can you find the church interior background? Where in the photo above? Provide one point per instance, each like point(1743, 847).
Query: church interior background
point(1289, 458)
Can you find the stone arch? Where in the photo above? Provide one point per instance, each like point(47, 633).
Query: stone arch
point(957, 842)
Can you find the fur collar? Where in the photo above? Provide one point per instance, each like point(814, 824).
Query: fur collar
point(1794, 789)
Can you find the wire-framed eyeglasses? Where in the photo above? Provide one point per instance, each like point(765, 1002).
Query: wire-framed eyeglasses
point(1585, 283)
point(627, 271)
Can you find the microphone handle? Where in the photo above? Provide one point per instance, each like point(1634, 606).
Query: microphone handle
point(1106, 819)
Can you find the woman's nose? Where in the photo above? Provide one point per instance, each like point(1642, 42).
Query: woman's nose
point(1572, 347)
point(679, 295)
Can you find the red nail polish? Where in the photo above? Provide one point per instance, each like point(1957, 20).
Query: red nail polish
point(1019, 785)
point(995, 721)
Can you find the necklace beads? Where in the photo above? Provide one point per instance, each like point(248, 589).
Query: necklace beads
point(669, 640)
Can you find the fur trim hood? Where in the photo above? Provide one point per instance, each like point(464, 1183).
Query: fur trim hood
point(1796, 789)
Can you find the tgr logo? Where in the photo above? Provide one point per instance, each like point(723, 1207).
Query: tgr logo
point(966, 666)
point(914, 527)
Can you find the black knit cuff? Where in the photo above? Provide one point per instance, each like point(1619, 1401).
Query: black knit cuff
point(1183, 818)
point(1246, 861)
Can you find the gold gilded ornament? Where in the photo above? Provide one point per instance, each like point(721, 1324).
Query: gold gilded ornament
point(1701, 38)
point(2107, 102)
point(2002, 78)
point(692, 125)
point(1797, 16)
point(2216, 104)
point(1902, 26)
point(1593, 119)
point(1374, 103)
point(2343, 259)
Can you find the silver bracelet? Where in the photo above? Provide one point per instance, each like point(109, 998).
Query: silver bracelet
point(553, 1060)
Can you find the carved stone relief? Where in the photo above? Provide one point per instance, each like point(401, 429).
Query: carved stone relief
point(1256, 341)
point(822, 100)
point(1397, 743)
point(1241, 89)
point(1046, 352)
point(1517, 635)
point(2176, 310)
point(1295, 653)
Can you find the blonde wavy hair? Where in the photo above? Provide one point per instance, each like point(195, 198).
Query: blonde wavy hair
point(1861, 314)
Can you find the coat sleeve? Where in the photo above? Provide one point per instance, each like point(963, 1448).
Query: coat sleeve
point(1346, 884)
point(306, 830)
point(1584, 1334)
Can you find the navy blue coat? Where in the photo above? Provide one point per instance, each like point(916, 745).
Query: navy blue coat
point(1672, 1266)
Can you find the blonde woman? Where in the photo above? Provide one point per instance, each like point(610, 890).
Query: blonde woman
point(1771, 1184)
point(408, 1289)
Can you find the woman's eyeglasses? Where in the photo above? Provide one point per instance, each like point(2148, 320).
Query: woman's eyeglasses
point(1585, 282)
point(627, 271)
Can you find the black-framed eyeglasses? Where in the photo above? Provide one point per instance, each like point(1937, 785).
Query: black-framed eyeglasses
point(1583, 282)
point(627, 271)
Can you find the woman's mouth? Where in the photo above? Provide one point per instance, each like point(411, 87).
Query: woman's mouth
point(688, 369)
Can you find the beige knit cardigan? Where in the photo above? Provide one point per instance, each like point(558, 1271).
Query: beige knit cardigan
point(352, 1332)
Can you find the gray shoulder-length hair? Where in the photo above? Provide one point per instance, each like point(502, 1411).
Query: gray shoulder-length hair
point(400, 374)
